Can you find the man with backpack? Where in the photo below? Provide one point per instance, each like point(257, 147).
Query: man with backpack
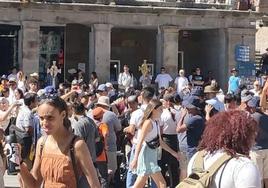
point(111, 119)
point(101, 160)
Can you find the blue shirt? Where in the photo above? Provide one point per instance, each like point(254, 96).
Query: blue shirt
point(233, 84)
point(195, 127)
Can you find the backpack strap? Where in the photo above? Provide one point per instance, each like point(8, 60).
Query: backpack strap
point(222, 173)
point(42, 145)
point(73, 159)
point(199, 164)
point(223, 159)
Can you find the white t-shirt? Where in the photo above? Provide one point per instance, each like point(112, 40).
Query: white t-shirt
point(4, 124)
point(167, 122)
point(239, 172)
point(25, 118)
point(125, 80)
point(135, 119)
point(163, 80)
point(181, 83)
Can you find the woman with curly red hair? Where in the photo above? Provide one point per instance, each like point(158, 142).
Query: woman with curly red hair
point(232, 133)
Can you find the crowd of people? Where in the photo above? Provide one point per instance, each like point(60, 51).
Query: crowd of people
point(145, 133)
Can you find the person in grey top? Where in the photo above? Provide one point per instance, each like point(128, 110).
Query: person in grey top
point(85, 128)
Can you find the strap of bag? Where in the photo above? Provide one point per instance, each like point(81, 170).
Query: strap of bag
point(199, 163)
point(73, 159)
point(222, 173)
point(212, 169)
point(42, 145)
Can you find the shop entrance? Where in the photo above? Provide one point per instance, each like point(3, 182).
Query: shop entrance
point(132, 47)
point(9, 48)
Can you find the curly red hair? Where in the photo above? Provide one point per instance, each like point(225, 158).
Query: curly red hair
point(233, 131)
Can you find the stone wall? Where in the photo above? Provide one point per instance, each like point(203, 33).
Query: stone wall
point(263, 6)
point(262, 39)
point(30, 47)
point(125, 16)
point(95, 46)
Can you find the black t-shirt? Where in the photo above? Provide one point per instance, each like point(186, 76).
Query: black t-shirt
point(262, 138)
point(198, 78)
point(264, 59)
point(195, 127)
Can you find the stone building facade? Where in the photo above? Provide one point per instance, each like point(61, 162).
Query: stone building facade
point(95, 36)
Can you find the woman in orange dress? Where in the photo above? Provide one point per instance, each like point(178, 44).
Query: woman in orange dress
point(53, 166)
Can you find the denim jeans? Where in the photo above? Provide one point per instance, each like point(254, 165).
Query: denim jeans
point(131, 177)
point(190, 152)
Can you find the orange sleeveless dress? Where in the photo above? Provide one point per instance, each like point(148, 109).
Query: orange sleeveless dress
point(57, 171)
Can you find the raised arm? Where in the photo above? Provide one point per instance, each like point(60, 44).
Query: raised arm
point(4, 116)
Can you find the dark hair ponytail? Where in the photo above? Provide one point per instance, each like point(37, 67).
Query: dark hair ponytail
point(67, 122)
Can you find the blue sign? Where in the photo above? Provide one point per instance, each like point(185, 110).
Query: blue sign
point(242, 53)
point(246, 69)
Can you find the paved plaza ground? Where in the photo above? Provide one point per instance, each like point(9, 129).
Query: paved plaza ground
point(11, 181)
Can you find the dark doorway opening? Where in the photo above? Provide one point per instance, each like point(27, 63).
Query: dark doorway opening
point(9, 48)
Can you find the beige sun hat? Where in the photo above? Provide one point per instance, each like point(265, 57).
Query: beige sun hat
point(103, 100)
point(211, 89)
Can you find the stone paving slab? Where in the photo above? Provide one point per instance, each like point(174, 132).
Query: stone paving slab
point(11, 181)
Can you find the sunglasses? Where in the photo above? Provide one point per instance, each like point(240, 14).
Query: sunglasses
point(48, 96)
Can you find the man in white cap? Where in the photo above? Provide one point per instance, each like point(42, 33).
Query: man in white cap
point(181, 82)
point(111, 91)
point(102, 90)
